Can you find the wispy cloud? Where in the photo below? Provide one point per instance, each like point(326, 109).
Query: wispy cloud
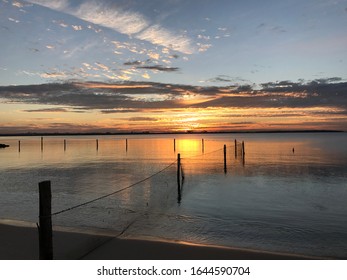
point(142, 119)
point(47, 110)
point(159, 68)
point(123, 21)
point(112, 17)
point(161, 36)
point(59, 5)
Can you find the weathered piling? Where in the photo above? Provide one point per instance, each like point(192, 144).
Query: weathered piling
point(178, 168)
point(45, 221)
point(19, 146)
point(97, 144)
point(126, 144)
point(41, 143)
point(179, 195)
point(202, 145)
point(243, 149)
point(64, 144)
point(174, 145)
point(235, 148)
point(225, 158)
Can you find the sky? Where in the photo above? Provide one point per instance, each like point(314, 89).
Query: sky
point(173, 65)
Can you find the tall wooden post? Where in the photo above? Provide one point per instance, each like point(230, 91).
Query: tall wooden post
point(45, 223)
point(64, 144)
point(41, 144)
point(179, 178)
point(19, 146)
point(202, 145)
point(174, 145)
point(97, 144)
point(225, 158)
point(126, 144)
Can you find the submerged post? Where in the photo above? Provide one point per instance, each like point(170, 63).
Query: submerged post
point(41, 143)
point(19, 146)
point(64, 144)
point(45, 223)
point(225, 158)
point(97, 144)
point(202, 145)
point(126, 144)
point(174, 145)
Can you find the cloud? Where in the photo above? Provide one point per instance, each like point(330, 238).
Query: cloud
point(17, 4)
point(59, 5)
point(146, 76)
point(123, 21)
point(317, 104)
point(74, 27)
point(221, 78)
point(13, 20)
point(142, 119)
point(160, 36)
point(320, 96)
point(102, 66)
point(112, 17)
point(159, 68)
point(61, 127)
point(47, 110)
point(132, 63)
point(203, 47)
point(54, 75)
point(121, 110)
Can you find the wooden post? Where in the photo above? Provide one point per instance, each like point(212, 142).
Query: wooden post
point(243, 153)
point(19, 146)
point(45, 223)
point(64, 144)
point(235, 148)
point(243, 149)
point(126, 144)
point(174, 145)
point(202, 145)
point(179, 178)
point(41, 144)
point(225, 158)
point(97, 144)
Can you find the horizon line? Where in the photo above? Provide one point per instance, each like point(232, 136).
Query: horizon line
point(169, 132)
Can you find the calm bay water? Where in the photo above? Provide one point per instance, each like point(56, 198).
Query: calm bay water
point(274, 199)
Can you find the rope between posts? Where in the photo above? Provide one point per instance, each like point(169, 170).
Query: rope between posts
point(113, 193)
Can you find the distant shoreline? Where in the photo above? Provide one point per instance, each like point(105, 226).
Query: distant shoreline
point(168, 133)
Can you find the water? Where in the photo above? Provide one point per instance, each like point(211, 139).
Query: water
point(274, 199)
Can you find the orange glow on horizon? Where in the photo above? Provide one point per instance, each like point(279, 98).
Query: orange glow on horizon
point(193, 119)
